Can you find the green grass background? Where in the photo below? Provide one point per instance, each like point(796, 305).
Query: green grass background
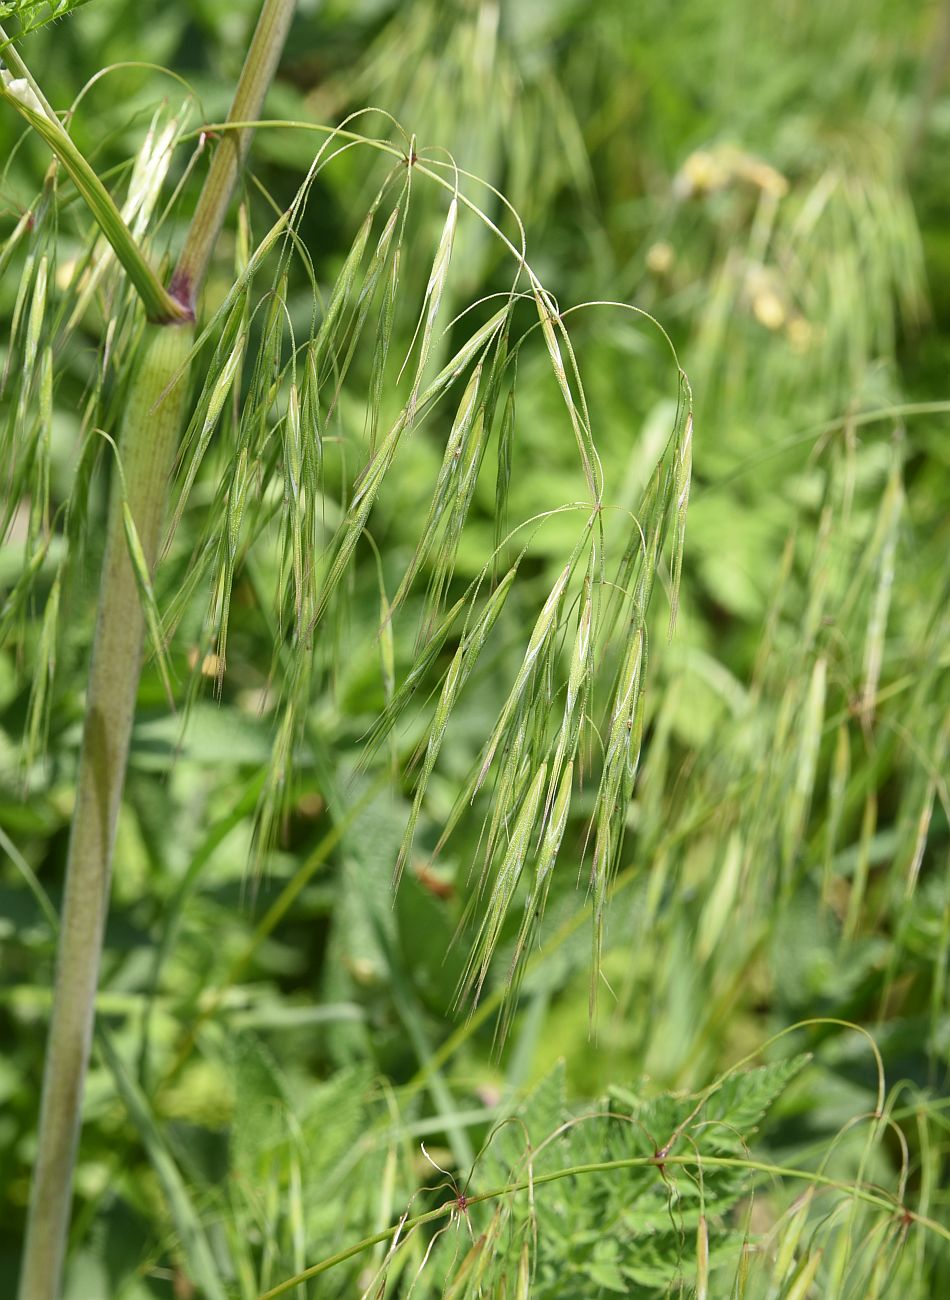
point(769, 181)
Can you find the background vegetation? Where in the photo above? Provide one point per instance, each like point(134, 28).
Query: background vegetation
point(769, 181)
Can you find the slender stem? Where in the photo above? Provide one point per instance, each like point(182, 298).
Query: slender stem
point(147, 447)
point(23, 94)
point(400, 1231)
point(256, 76)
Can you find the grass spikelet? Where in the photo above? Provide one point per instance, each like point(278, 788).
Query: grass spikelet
point(548, 315)
point(722, 902)
point(34, 327)
point(804, 778)
point(503, 471)
point(18, 597)
point(39, 521)
point(581, 653)
point(616, 781)
point(446, 481)
point(862, 866)
point(371, 480)
point(469, 349)
point(351, 528)
point(311, 433)
point(702, 1259)
point(514, 772)
point(523, 1280)
point(801, 1284)
point(472, 451)
point(422, 665)
point(921, 833)
point(447, 697)
point(536, 900)
point(298, 499)
point(384, 334)
point(12, 241)
point(877, 622)
point(32, 277)
point(24, 435)
point(272, 803)
point(791, 1236)
point(682, 472)
point(469, 444)
point(837, 790)
point(503, 888)
point(343, 287)
point(458, 673)
point(433, 299)
point(228, 549)
point(44, 672)
point(555, 827)
point(361, 308)
point(387, 648)
point(578, 687)
point(625, 700)
point(543, 630)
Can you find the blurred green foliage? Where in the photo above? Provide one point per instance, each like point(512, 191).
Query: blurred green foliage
point(769, 181)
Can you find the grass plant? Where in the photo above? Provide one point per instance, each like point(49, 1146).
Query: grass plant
point(509, 898)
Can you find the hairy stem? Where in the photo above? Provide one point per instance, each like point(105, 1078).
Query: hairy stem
point(147, 447)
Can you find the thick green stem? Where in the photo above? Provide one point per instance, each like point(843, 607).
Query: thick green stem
point(147, 446)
